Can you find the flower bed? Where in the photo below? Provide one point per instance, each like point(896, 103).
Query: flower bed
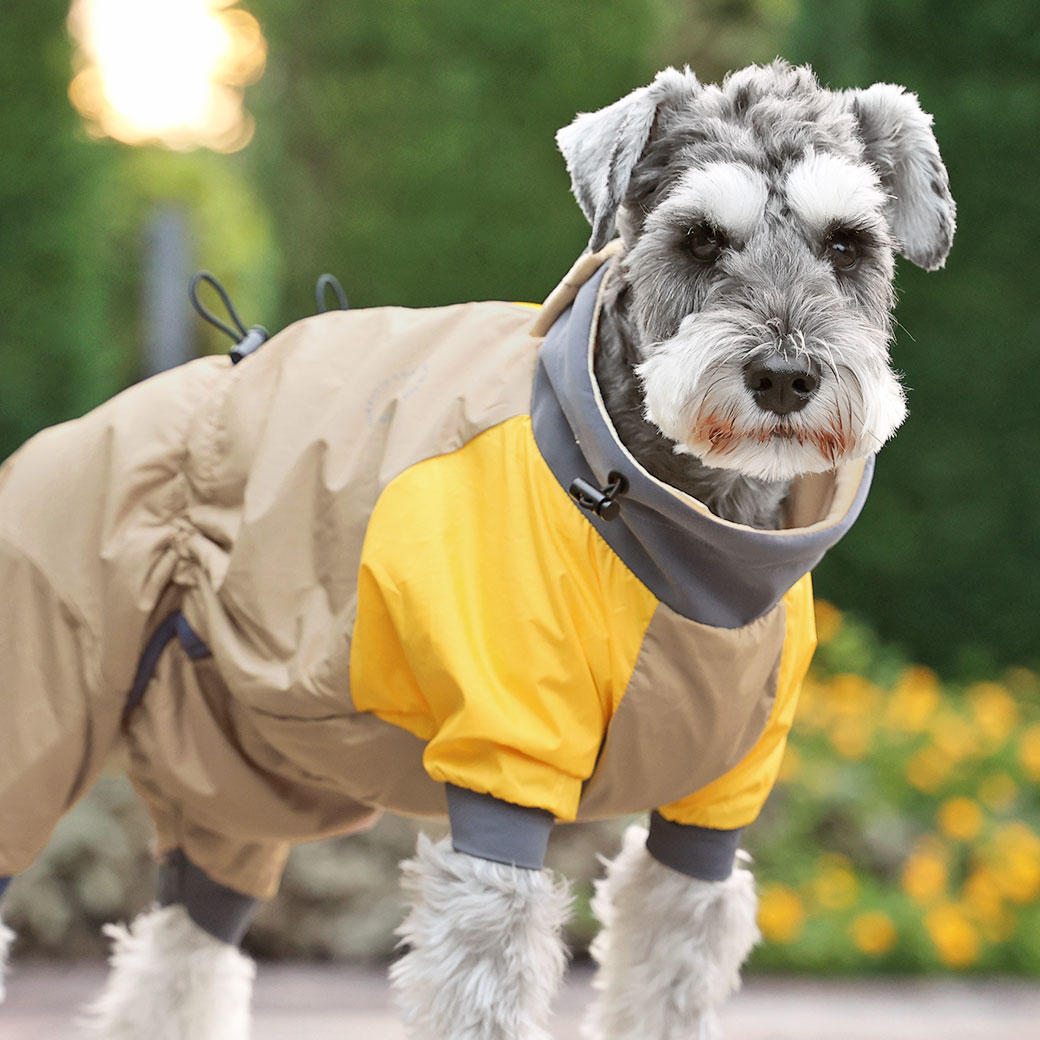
point(903, 835)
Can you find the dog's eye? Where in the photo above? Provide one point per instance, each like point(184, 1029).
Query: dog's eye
point(842, 248)
point(705, 243)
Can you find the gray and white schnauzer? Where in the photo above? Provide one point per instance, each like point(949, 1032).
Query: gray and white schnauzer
point(278, 561)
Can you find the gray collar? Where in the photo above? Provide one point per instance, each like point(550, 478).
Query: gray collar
point(706, 569)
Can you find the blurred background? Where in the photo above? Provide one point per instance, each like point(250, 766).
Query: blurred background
point(408, 148)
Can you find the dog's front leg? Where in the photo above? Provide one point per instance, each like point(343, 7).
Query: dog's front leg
point(170, 980)
point(671, 947)
point(485, 953)
point(6, 940)
point(176, 971)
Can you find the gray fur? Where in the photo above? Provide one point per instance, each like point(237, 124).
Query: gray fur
point(485, 952)
point(898, 140)
point(670, 949)
point(601, 148)
point(801, 162)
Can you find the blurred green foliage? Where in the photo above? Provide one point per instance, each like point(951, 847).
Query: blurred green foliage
point(59, 349)
point(946, 557)
point(408, 148)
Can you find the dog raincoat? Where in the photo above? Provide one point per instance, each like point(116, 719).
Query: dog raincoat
point(365, 537)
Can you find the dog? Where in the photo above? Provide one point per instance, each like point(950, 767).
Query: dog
point(517, 567)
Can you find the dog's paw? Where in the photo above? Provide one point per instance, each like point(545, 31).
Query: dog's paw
point(170, 980)
point(671, 947)
point(6, 941)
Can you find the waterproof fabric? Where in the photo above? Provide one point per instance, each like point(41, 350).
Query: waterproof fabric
point(365, 527)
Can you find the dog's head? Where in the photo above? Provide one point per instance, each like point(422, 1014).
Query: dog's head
point(760, 220)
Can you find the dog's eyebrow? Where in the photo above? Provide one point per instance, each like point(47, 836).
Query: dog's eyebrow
point(730, 196)
point(824, 190)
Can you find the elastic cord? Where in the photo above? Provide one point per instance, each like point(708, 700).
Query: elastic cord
point(193, 292)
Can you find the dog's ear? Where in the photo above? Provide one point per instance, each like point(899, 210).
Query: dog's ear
point(898, 140)
point(602, 148)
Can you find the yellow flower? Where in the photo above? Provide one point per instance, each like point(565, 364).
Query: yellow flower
point(781, 915)
point(983, 899)
point(1022, 881)
point(955, 736)
point(924, 877)
point(1029, 751)
point(928, 768)
point(873, 933)
point(1014, 858)
point(853, 695)
point(953, 934)
point(994, 711)
point(960, 818)
point(998, 791)
point(914, 700)
point(828, 621)
point(982, 894)
point(835, 887)
point(850, 736)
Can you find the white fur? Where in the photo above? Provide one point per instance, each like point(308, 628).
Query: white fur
point(831, 189)
point(6, 939)
point(729, 195)
point(693, 386)
point(170, 980)
point(485, 952)
point(670, 950)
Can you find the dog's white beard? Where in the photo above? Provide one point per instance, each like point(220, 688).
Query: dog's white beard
point(671, 947)
point(170, 980)
point(485, 950)
point(6, 939)
point(697, 398)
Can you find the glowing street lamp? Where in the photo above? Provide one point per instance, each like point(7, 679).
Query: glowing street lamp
point(166, 71)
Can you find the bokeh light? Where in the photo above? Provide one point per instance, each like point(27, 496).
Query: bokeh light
point(166, 71)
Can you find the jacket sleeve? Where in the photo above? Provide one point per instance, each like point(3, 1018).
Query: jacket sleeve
point(699, 852)
point(489, 828)
point(736, 798)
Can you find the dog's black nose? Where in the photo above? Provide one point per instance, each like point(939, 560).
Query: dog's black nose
point(782, 384)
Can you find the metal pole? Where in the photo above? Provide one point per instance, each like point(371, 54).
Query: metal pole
point(169, 338)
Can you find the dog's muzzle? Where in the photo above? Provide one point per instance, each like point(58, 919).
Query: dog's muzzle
point(781, 384)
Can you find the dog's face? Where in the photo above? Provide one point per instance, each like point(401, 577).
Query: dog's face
point(760, 220)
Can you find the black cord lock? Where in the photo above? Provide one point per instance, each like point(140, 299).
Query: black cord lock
point(601, 501)
point(246, 340)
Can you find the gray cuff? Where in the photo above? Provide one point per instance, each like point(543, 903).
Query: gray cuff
point(4, 882)
point(489, 828)
point(700, 852)
point(222, 912)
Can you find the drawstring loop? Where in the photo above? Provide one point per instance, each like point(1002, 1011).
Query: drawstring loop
point(245, 340)
point(326, 282)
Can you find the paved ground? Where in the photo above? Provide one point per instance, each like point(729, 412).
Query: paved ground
point(331, 1003)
